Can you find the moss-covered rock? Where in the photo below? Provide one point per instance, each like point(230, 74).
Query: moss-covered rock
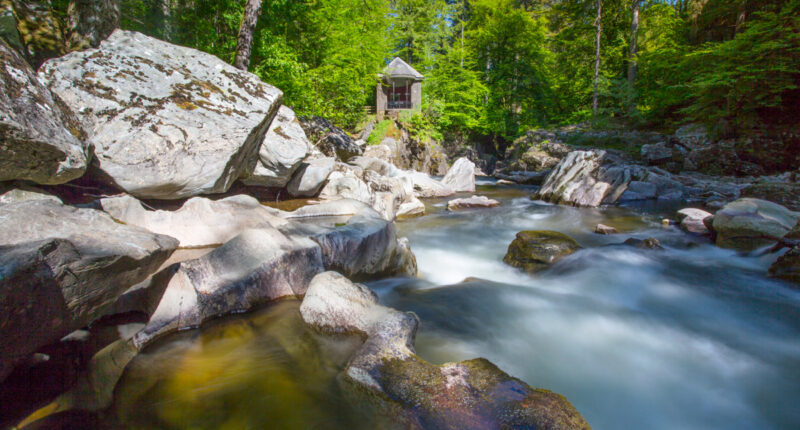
point(749, 223)
point(535, 250)
point(787, 266)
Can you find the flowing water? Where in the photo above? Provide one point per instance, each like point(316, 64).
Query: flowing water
point(689, 337)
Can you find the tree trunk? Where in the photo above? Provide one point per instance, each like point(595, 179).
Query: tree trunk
point(634, 36)
point(91, 22)
point(599, 25)
point(166, 16)
point(741, 15)
point(244, 46)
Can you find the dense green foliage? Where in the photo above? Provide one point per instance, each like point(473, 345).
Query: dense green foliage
point(496, 68)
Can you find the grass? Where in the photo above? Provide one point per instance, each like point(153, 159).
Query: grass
point(385, 128)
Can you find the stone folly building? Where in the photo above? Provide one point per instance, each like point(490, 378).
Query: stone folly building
point(400, 87)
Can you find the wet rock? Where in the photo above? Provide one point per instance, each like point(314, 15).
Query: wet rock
point(536, 250)
point(649, 243)
point(166, 121)
point(386, 373)
point(362, 246)
point(63, 268)
point(280, 154)
point(604, 229)
point(524, 178)
point(743, 223)
point(692, 220)
point(257, 266)
point(310, 177)
point(461, 176)
point(42, 140)
point(199, 222)
point(331, 140)
point(638, 190)
point(783, 193)
point(787, 266)
point(472, 202)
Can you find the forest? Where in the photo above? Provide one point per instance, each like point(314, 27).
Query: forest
point(498, 68)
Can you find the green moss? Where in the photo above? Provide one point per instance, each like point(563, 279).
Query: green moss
point(382, 130)
point(535, 250)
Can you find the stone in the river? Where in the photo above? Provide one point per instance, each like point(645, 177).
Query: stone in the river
point(385, 372)
point(461, 176)
point(787, 266)
point(536, 250)
point(199, 222)
point(62, 268)
point(605, 229)
point(586, 178)
point(310, 177)
point(692, 220)
point(472, 202)
point(41, 139)
point(166, 122)
point(255, 267)
point(363, 246)
point(280, 154)
point(743, 223)
point(649, 243)
point(425, 186)
point(411, 208)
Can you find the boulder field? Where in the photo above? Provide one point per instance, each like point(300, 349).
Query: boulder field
point(157, 127)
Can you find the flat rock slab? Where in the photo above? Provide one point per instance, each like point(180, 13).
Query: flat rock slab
point(471, 203)
point(284, 147)
point(200, 222)
point(63, 267)
point(42, 140)
point(386, 372)
point(166, 121)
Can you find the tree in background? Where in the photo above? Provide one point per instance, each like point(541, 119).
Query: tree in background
point(244, 44)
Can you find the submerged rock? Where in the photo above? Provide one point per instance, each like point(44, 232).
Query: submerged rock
point(649, 243)
point(64, 267)
point(280, 154)
point(461, 176)
point(744, 223)
point(166, 121)
point(42, 140)
point(787, 266)
point(385, 373)
point(472, 202)
point(536, 250)
point(200, 221)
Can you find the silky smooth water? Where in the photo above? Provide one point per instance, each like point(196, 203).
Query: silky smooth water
point(689, 337)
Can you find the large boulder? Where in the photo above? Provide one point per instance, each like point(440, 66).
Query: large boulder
point(411, 393)
point(361, 244)
point(199, 222)
point(749, 223)
point(586, 178)
point(166, 121)
point(787, 266)
point(461, 176)
point(536, 250)
point(425, 186)
point(783, 193)
point(257, 266)
point(62, 268)
point(331, 140)
point(280, 154)
point(42, 140)
point(310, 177)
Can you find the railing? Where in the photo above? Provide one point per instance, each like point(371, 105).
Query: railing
point(400, 105)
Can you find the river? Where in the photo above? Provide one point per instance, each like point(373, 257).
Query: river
point(688, 337)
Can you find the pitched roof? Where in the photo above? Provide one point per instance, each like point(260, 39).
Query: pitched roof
point(400, 69)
